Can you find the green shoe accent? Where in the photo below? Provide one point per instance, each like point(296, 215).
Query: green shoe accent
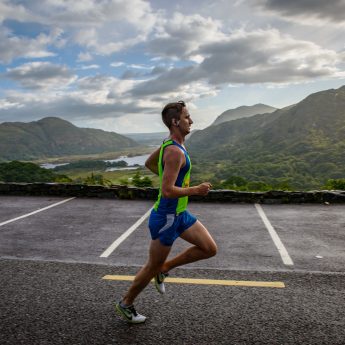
point(159, 282)
point(129, 314)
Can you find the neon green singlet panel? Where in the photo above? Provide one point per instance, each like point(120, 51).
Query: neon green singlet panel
point(173, 205)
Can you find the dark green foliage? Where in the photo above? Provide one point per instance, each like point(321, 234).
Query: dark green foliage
point(336, 184)
point(258, 186)
point(28, 172)
point(139, 181)
point(124, 182)
point(95, 180)
point(234, 182)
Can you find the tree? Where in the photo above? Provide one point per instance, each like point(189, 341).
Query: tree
point(338, 184)
point(96, 180)
point(140, 181)
point(17, 171)
point(258, 186)
point(234, 182)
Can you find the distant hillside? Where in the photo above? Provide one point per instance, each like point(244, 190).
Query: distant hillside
point(148, 138)
point(243, 111)
point(303, 144)
point(54, 137)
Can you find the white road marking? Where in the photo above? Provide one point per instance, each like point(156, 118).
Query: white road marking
point(37, 211)
point(279, 244)
point(118, 241)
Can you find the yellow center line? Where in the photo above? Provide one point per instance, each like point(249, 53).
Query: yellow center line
point(206, 281)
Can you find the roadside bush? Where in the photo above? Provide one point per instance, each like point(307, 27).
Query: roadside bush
point(96, 180)
point(335, 184)
point(258, 186)
point(140, 181)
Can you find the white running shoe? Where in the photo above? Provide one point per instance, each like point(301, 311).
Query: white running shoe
point(159, 282)
point(129, 313)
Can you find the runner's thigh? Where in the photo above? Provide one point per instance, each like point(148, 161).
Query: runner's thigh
point(198, 235)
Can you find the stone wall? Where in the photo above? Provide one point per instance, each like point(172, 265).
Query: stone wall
point(124, 192)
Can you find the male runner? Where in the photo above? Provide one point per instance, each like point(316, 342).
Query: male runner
point(169, 218)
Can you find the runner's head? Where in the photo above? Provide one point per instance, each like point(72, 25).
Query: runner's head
point(171, 113)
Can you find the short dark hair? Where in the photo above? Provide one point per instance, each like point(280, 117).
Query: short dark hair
point(172, 111)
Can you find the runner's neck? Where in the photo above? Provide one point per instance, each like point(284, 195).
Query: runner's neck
point(177, 138)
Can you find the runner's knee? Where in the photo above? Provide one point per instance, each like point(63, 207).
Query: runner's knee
point(211, 250)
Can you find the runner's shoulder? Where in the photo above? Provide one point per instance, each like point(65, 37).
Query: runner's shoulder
point(173, 149)
point(173, 152)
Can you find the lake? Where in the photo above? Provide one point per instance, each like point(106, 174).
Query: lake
point(131, 161)
point(140, 160)
point(51, 166)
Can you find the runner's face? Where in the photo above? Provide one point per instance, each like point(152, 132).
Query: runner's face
point(185, 122)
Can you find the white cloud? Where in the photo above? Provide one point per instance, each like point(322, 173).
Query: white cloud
point(15, 12)
point(105, 84)
point(104, 44)
point(94, 98)
point(117, 64)
point(12, 46)
point(86, 67)
point(41, 75)
point(136, 66)
point(181, 35)
point(261, 56)
point(266, 56)
point(79, 105)
point(104, 27)
point(84, 57)
point(96, 13)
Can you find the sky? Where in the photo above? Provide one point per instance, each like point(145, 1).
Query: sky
point(114, 64)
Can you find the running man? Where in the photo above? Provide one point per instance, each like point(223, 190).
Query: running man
point(169, 217)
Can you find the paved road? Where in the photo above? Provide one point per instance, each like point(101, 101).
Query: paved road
point(52, 291)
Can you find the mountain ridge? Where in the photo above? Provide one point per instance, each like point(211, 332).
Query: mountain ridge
point(54, 137)
point(300, 142)
point(243, 111)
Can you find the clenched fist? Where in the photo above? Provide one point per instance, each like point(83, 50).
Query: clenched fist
point(203, 188)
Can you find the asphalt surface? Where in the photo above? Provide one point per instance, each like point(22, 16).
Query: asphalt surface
point(52, 291)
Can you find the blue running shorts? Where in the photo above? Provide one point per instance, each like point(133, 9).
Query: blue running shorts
point(167, 227)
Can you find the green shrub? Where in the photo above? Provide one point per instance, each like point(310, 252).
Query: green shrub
point(139, 181)
point(96, 180)
point(335, 184)
point(258, 186)
point(17, 171)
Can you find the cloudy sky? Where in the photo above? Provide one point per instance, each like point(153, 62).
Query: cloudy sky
point(113, 64)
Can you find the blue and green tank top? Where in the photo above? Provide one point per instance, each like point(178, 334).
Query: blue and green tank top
point(173, 205)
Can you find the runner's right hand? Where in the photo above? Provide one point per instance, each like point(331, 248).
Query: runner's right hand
point(203, 188)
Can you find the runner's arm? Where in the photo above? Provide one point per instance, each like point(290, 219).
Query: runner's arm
point(173, 161)
point(152, 162)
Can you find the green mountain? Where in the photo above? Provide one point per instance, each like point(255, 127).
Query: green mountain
point(54, 137)
point(302, 145)
point(243, 111)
